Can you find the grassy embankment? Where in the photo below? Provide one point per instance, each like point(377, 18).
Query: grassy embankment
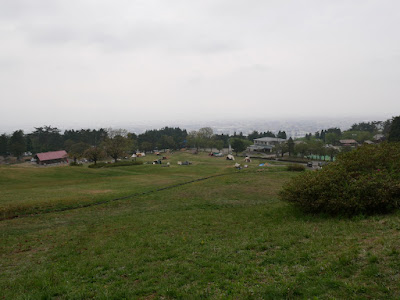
point(226, 237)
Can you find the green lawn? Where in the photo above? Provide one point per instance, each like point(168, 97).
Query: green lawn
point(221, 238)
point(29, 189)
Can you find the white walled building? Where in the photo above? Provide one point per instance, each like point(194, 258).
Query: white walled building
point(266, 144)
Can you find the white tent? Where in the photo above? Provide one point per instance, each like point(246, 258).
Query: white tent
point(230, 157)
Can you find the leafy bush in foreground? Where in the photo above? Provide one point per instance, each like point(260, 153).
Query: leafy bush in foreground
point(117, 164)
point(366, 180)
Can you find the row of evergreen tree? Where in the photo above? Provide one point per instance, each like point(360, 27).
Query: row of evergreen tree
point(48, 138)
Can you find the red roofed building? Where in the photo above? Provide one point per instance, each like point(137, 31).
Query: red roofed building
point(52, 157)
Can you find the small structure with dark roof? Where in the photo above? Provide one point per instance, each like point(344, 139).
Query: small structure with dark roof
point(368, 142)
point(52, 157)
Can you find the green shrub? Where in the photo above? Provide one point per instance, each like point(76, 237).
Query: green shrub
point(117, 164)
point(98, 165)
point(296, 168)
point(363, 181)
point(74, 164)
point(124, 163)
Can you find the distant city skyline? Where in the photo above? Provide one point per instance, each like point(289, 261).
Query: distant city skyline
point(293, 127)
point(130, 62)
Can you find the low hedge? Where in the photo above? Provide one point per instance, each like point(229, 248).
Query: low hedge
point(116, 164)
point(296, 168)
point(363, 181)
point(97, 166)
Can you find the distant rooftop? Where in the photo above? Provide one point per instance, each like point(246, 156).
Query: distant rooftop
point(348, 141)
point(52, 155)
point(270, 139)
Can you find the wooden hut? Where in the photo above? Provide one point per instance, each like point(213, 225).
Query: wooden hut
point(52, 157)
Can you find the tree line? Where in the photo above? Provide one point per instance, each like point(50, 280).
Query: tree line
point(322, 143)
point(359, 132)
point(118, 142)
point(114, 142)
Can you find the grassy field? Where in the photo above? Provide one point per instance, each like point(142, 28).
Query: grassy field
point(227, 237)
point(27, 189)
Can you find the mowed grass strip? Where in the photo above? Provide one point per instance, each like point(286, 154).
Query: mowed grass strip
point(227, 237)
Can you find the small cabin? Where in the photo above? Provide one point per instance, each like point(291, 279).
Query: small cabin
point(52, 157)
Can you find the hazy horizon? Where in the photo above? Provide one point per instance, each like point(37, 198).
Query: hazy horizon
point(245, 125)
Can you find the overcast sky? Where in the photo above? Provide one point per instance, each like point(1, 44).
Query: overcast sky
point(91, 61)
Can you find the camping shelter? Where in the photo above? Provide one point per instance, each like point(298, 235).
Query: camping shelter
point(52, 157)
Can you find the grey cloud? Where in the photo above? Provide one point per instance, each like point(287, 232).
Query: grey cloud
point(140, 36)
point(110, 39)
point(210, 46)
point(52, 35)
point(46, 22)
point(255, 68)
point(16, 9)
point(9, 63)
